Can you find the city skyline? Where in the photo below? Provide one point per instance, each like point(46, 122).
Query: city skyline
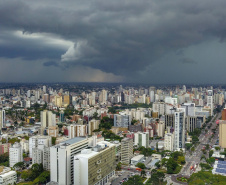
point(149, 42)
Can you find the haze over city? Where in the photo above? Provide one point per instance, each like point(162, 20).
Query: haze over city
point(113, 41)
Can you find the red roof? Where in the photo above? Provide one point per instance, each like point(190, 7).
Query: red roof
point(27, 159)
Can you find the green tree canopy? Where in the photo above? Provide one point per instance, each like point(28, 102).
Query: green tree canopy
point(141, 165)
point(134, 180)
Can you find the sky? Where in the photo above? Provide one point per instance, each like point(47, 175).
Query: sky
point(145, 41)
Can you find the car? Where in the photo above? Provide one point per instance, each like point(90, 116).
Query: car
point(128, 168)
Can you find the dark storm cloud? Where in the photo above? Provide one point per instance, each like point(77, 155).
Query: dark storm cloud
point(119, 37)
point(188, 61)
point(50, 63)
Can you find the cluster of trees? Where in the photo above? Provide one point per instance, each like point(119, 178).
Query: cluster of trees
point(4, 159)
point(205, 166)
point(134, 180)
point(146, 151)
point(172, 164)
point(157, 178)
point(106, 123)
point(36, 174)
point(203, 177)
point(141, 165)
point(108, 134)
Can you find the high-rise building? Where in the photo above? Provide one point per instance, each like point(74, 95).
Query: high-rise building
point(46, 98)
point(2, 118)
point(62, 160)
point(93, 125)
point(66, 100)
point(37, 141)
point(15, 154)
point(47, 118)
point(95, 166)
point(62, 116)
point(141, 139)
point(41, 154)
point(58, 101)
point(179, 130)
point(191, 123)
point(210, 100)
point(223, 114)
point(168, 141)
point(78, 130)
point(222, 133)
point(122, 120)
point(189, 109)
point(126, 150)
point(44, 89)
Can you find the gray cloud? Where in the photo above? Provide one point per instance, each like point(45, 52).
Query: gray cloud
point(188, 61)
point(116, 37)
point(51, 63)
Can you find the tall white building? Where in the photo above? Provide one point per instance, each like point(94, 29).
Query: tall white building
point(15, 154)
point(189, 109)
point(179, 130)
point(210, 100)
point(41, 154)
point(95, 166)
point(36, 141)
point(141, 139)
point(168, 141)
point(62, 160)
point(2, 118)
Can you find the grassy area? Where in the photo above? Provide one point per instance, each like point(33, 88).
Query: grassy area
point(25, 183)
point(178, 169)
point(182, 179)
point(162, 170)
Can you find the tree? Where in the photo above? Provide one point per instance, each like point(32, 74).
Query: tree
point(53, 140)
point(188, 146)
point(141, 165)
point(43, 177)
point(171, 165)
point(157, 178)
point(193, 149)
point(217, 148)
point(143, 173)
point(134, 180)
point(95, 115)
point(26, 174)
point(119, 165)
point(19, 165)
point(158, 165)
point(133, 122)
point(211, 160)
point(181, 160)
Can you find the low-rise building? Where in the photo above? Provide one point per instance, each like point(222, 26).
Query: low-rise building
point(137, 159)
point(7, 176)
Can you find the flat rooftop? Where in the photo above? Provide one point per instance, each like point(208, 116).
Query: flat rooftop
point(73, 140)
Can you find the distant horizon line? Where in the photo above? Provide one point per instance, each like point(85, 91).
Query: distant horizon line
point(137, 83)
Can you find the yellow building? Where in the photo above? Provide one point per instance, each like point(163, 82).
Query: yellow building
point(58, 101)
point(66, 100)
point(222, 133)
